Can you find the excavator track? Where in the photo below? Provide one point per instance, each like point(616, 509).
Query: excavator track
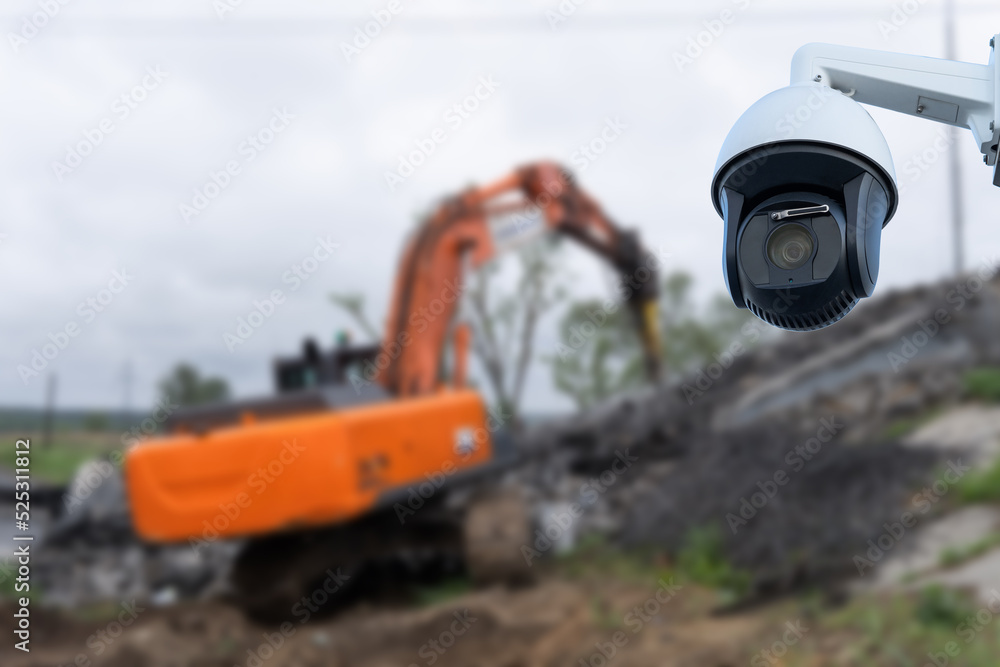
point(271, 575)
point(495, 529)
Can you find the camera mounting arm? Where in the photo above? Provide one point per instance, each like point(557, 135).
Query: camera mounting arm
point(954, 93)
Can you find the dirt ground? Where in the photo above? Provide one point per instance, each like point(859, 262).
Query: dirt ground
point(552, 623)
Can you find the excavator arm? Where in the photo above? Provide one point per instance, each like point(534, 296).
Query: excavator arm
point(462, 235)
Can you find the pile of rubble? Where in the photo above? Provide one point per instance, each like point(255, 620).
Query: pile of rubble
point(894, 357)
point(90, 552)
point(783, 450)
point(788, 508)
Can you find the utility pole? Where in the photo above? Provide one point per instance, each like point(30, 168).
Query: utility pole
point(954, 162)
point(48, 416)
point(127, 391)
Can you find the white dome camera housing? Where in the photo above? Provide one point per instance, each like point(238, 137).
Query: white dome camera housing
point(805, 180)
point(805, 183)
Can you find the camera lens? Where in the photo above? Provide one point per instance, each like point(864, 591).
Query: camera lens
point(790, 246)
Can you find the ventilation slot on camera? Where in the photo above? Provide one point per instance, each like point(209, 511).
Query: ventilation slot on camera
point(832, 312)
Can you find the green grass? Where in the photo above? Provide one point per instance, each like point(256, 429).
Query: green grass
point(980, 486)
point(604, 616)
point(593, 555)
point(449, 589)
point(702, 561)
point(901, 630)
point(7, 591)
point(940, 607)
point(984, 384)
point(907, 425)
point(57, 462)
point(958, 555)
point(8, 582)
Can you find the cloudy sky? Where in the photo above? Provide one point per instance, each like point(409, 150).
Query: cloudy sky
point(117, 114)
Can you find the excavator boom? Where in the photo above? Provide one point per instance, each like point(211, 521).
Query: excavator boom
point(459, 237)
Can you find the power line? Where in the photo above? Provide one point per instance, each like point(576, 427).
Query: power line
point(127, 378)
point(49, 411)
point(234, 25)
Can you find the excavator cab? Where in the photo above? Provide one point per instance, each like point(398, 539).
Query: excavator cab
point(314, 381)
point(314, 368)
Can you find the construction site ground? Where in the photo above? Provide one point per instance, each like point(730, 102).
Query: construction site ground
point(595, 606)
point(618, 609)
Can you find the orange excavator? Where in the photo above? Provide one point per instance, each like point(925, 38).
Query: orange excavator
point(371, 451)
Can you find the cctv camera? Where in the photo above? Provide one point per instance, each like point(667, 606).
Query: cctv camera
point(805, 184)
point(805, 181)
